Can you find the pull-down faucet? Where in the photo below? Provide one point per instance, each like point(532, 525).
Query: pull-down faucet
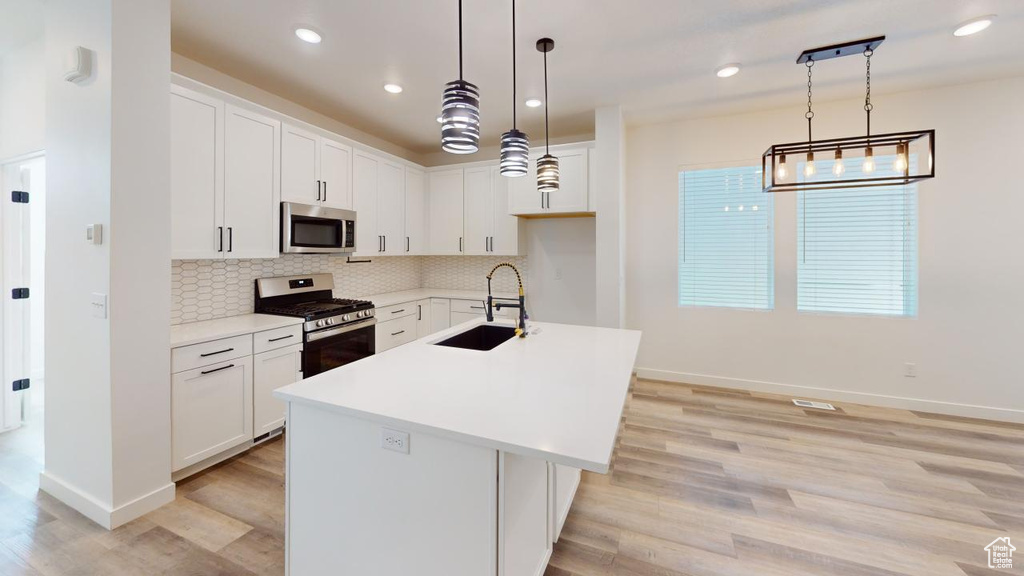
point(521, 328)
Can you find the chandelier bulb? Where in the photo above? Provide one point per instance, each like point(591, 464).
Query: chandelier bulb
point(869, 161)
point(809, 169)
point(900, 164)
point(781, 172)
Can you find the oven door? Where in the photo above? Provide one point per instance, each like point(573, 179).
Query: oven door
point(309, 229)
point(334, 347)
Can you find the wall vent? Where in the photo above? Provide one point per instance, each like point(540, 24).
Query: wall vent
point(809, 404)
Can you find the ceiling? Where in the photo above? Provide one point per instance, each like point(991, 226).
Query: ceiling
point(654, 57)
point(21, 21)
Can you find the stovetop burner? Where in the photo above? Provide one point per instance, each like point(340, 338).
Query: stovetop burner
point(317, 309)
point(311, 298)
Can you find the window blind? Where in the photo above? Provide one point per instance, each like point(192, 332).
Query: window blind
point(725, 239)
point(857, 248)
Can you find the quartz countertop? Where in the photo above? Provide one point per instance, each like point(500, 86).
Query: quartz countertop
point(198, 332)
point(557, 394)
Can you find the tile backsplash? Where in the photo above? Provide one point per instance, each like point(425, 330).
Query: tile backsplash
point(208, 289)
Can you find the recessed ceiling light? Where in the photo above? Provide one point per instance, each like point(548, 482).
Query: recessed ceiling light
point(974, 26)
point(728, 70)
point(393, 88)
point(307, 35)
point(533, 103)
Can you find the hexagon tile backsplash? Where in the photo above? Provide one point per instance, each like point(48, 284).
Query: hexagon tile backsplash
point(208, 289)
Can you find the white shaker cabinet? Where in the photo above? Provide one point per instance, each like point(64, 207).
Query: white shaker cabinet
point(573, 195)
point(272, 370)
point(211, 410)
point(391, 208)
point(440, 314)
point(197, 174)
point(424, 325)
point(445, 199)
point(489, 229)
point(378, 188)
point(364, 202)
point(251, 184)
point(415, 212)
point(315, 170)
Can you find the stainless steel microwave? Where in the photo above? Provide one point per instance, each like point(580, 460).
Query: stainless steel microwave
point(309, 229)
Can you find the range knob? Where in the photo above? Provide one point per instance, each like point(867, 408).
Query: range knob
point(319, 323)
point(346, 317)
point(330, 321)
point(369, 312)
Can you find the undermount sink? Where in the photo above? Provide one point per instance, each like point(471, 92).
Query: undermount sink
point(483, 337)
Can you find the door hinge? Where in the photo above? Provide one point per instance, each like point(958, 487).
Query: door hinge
point(19, 293)
point(19, 197)
point(20, 385)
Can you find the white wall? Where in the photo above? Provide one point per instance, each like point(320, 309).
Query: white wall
point(561, 271)
point(610, 173)
point(108, 391)
point(22, 100)
point(966, 339)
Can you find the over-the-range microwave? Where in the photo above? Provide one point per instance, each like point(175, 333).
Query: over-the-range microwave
point(310, 229)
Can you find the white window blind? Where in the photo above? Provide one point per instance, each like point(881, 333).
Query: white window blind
point(857, 248)
point(725, 239)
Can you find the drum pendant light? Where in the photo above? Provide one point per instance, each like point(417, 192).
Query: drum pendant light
point(515, 145)
point(547, 165)
point(460, 111)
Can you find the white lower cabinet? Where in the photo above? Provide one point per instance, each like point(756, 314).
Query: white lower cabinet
point(423, 323)
point(211, 410)
point(440, 314)
point(272, 370)
point(395, 332)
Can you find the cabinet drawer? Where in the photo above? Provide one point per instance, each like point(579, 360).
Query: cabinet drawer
point(396, 332)
point(469, 306)
point(395, 311)
point(199, 355)
point(276, 338)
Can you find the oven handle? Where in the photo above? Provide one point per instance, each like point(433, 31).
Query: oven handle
point(314, 336)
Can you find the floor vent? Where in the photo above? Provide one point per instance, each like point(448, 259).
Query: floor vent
point(809, 404)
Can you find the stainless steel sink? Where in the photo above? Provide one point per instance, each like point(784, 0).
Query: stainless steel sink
point(483, 337)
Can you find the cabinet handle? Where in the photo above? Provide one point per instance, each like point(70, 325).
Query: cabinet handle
point(325, 190)
point(385, 243)
point(460, 243)
point(398, 311)
point(281, 338)
point(204, 372)
point(477, 307)
point(419, 312)
point(406, 243)
point(231, 238)
point(318, 190)
point(380, 243)
point(215, 353)
point(220, 244)
point(397, 333)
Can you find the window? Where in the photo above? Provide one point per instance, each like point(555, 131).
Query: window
point(725, 239)
point(857, 249)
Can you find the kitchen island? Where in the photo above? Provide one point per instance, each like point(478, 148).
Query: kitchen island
point(437, 460)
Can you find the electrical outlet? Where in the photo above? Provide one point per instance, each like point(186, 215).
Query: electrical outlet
point(394, 440)
point(910, 370)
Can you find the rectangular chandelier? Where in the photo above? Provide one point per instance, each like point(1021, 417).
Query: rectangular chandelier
point(852, 162)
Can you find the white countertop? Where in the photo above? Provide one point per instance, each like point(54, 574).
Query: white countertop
point(390, 298)
point(197, 332)
point(557, 394)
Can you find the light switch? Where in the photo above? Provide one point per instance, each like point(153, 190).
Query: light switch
point(99, 305)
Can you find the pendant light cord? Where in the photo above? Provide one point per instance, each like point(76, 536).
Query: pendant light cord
point(868, 107)
point(547, 135)
point(460, 39)
point(513, 64)
point(810, 112)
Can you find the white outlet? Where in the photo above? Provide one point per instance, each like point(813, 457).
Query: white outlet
point(394, 440)
point(910, 370)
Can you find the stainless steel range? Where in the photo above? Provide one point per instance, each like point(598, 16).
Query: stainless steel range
point(336, 331)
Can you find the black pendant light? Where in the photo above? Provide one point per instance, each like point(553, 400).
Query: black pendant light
point(460, 111)
point(515, 145)
point(547, 165)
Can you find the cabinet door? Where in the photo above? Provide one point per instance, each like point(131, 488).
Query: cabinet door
point(523, 197)
point(251, 184)
point(270, 371)
point(211, 411)
point(424, 326)
point(300, 165)
point(391, 208)
point(478, 215)
point(335, 174)
point(440, 310)
point(460, 317)
point(445, 208)
point(364, 202)
point(573, 193)
point(197, 175)
point(415, 212)
point(505, 234)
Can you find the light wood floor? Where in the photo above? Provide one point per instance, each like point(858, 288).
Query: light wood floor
point(705, 482)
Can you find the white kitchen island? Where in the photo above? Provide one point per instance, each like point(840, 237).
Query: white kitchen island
point(484, 478)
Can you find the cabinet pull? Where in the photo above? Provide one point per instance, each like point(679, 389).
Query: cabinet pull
point(380, 243)
point(220, 243)
point(204, 372)
point(460, 243)
point(318, 190)
point(281, 338)
point(477, 307)
point(406, 243)
point(398, 311)
point(215, 353)
point(419, 312)
point(231, 238)
point(385, 243)
point(325, 190)
point(397, 333)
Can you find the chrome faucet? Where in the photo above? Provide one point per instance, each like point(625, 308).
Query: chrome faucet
point(521, 328)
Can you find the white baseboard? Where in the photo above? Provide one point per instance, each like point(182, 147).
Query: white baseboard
point(100, 512)
point(826, 394)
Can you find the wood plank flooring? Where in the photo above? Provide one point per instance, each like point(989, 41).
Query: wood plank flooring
point(704, 482)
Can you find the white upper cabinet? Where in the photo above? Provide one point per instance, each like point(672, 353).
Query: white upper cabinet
point(335, 174)
point(444, 199)
point(415, 212)
point(573, 195)
point(508, 237)
point(251, 184)
point(314, 169)
point(197, 174)
point(364, 202)
point(488, 228)
point(391, 208)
